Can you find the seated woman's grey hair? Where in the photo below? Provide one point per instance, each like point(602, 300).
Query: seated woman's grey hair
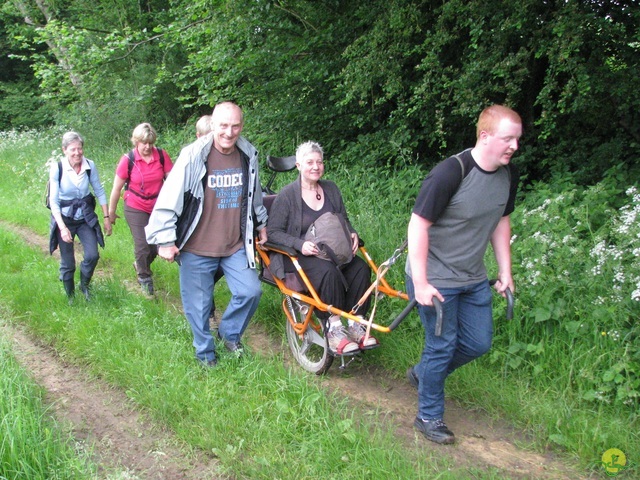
point(306, 148)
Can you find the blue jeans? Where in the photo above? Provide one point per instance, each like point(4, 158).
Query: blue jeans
point(467, 330)
point(196, 288)
point(89, 241)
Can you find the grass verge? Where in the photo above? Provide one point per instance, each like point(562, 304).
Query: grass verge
point(33, 446)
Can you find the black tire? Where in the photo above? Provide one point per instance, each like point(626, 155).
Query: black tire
point(311, 349)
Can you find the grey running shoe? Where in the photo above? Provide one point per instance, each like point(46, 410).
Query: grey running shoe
point(339, 342)
point(357, 333)
point(233, 347)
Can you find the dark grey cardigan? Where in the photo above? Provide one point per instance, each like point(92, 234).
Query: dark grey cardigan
point(285, 218)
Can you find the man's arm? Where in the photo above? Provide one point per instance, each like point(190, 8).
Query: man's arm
point(161, 228)
point(501, 243)
point(418, 242)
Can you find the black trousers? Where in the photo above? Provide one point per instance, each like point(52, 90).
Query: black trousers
point(325, 278)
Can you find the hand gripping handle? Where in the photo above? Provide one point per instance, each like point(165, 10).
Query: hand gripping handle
point(437, 304)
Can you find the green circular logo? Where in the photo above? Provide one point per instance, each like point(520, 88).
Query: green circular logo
point(614, 461)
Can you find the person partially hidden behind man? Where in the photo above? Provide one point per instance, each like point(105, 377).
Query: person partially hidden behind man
point(464, 204)
point(213, 183)
point(203, 127)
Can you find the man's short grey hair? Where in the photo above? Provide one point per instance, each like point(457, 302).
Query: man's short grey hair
point(306, 148)
point(70, 137)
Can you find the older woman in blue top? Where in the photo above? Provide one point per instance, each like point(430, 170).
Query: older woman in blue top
point(73, 213)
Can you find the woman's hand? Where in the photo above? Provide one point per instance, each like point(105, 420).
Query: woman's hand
point(262, 236)
point(65, 234)
point(355, 243)
point(309, 248)
point(107, 226)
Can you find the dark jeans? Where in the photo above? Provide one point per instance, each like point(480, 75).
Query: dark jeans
point(467, 331)
point(89, 241)
point(144, 253)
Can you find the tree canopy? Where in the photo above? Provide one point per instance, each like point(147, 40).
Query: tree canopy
point(383, 82)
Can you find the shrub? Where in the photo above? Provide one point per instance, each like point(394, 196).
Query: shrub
point(577, 267)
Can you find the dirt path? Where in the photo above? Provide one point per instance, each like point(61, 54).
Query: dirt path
point(124, 440)
point(102, 417)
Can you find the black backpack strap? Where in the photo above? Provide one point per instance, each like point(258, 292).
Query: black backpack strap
point(59, 172)
point(334, 259)
point(131, 158)
point(461, 166)
point(161, 157)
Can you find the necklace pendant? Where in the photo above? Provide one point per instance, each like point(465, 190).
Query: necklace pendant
point(318, 196)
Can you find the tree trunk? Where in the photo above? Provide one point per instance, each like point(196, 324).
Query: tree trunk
point(58, 51)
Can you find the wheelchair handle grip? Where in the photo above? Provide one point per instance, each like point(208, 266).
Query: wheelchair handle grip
point(510, 301)
point(403, 314)
point(437, 304)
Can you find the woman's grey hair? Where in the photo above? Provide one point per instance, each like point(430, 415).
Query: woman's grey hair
point(306, 148)
point(70, 137)
point(144, 133)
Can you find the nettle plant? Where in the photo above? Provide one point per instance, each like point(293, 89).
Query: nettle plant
point(576, 260)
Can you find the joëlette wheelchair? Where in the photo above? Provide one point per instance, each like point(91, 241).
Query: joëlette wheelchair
point(306, 333)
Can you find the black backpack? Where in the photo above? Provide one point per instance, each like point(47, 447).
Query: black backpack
point(131, 158)
point(47, 189)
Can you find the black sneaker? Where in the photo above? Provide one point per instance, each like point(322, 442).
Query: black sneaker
point(434, 430)
point(234, 347)
point(210, 363)
point(147, 288)
point(413, 378)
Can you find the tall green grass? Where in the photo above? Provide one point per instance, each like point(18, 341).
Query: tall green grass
point(551, 372)
point(32, 445)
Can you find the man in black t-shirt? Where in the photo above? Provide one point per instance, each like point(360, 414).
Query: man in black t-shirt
point(464, 204)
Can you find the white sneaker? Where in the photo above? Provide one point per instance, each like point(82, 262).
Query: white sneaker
point(357, 333)
point(339, 342)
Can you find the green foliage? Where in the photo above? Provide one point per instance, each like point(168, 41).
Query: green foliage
point(20, 102)
point(101, 65)
point(575, 335)
point(383, 78)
